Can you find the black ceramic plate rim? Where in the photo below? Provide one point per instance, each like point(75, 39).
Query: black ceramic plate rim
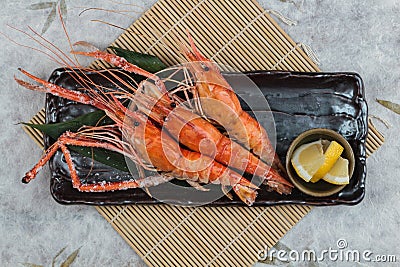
point(60, 198)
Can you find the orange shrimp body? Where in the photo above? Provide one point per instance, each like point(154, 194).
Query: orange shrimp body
point(199, 135)
point(161, 151)
point(226, 109)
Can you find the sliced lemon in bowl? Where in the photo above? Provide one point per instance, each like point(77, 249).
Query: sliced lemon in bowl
point(331, 155)
point(307, 159)
point(339, 173)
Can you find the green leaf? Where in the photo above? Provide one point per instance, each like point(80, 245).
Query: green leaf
point(43, 5)
point(56, 256)
point(390, 105)
point(50, 18)
point(54, 130)
point(110, 158)
point(71, 258)
point(147, 62)
point(107, 157)
point(63, 8)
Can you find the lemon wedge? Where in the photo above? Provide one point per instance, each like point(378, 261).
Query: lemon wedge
point(331, 154)
point(307, 159)
point(339, 173)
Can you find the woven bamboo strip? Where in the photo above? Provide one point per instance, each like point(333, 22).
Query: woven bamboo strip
point(375, 134)
point(299, 55)
point(106, 214)
point(174, 243)
point(221, 221)
point(252, 34)
point(373, 142)
point(279, 47)
point(377, 137)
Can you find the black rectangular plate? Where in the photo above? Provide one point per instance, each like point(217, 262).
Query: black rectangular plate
point(299, 102)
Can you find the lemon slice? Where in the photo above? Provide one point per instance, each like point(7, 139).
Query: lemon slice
point(331, 154)
point(339, 174)
point(307, 159)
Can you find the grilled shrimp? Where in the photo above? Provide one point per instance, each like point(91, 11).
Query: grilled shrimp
point(146, 144)
point(226, 110)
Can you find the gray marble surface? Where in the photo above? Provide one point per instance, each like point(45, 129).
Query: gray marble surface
point(359, 36)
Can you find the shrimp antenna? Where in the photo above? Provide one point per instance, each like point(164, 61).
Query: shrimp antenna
point(119, 12)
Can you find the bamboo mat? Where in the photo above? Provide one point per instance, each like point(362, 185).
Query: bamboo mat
point(242, 35)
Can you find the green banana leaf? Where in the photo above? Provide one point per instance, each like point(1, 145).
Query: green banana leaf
point(147, 62)
point(54, 130)
point(99, 118)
